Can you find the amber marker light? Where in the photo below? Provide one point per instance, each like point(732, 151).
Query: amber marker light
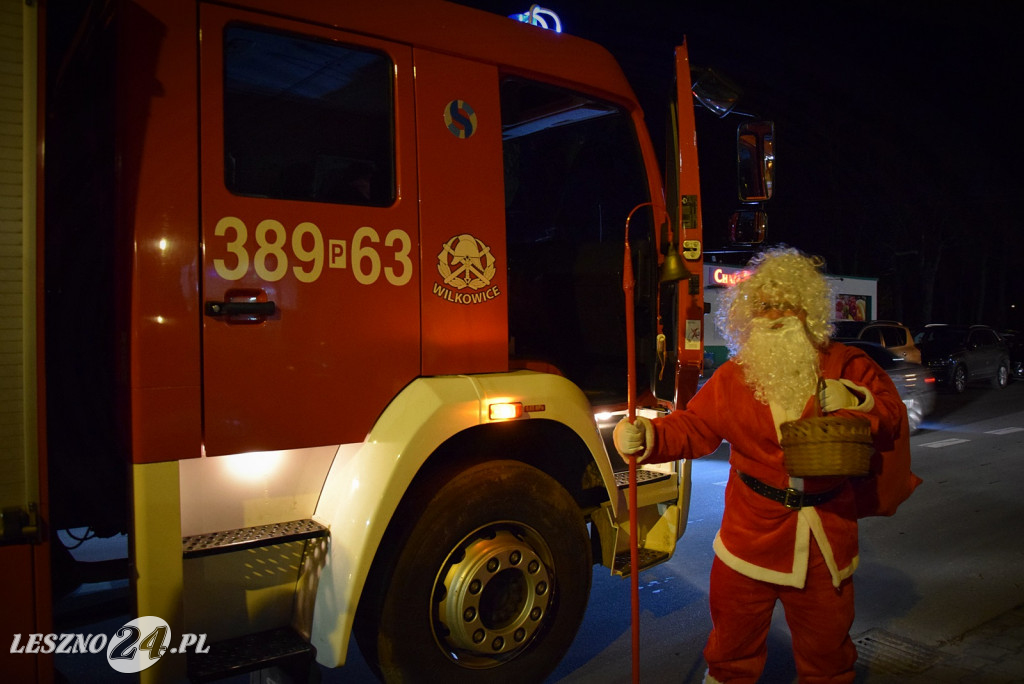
point(505, 411)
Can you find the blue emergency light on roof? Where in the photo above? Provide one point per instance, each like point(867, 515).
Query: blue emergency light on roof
point(540, 16)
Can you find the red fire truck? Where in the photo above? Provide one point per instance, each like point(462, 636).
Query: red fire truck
point(323, 309)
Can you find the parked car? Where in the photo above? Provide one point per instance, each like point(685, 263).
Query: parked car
point(1015, 342)
point(962, 354)
point(892, 335)
point(848, 330)
point(915, 383)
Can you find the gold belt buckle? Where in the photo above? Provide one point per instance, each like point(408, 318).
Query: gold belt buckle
point(794, 494)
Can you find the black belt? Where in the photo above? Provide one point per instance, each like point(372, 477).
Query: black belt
point(790, 498)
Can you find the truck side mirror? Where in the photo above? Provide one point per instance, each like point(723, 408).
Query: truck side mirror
point(747, 227)
point(714, 90)
point(755, 160)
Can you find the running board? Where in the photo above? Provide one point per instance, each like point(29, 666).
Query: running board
point(229, 541)
point(657, 524)
point(646, 558)
point(284, 648)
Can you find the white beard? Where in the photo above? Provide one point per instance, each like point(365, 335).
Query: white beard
point(779, 363)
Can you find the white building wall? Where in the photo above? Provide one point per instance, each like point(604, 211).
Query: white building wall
point(856, 299)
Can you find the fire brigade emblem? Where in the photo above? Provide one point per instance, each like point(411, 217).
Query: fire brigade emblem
point(465, 262)
point(460, 119)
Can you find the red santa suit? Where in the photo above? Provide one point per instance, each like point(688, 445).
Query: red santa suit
point(765, 550)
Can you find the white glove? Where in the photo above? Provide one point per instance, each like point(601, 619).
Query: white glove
point(634, 439)
point(835, 396)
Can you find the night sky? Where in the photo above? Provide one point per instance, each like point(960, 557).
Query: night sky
point(898, 151)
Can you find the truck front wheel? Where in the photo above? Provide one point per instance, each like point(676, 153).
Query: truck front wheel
point(490, 582)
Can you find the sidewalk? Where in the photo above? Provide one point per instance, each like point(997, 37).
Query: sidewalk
point(990, 654)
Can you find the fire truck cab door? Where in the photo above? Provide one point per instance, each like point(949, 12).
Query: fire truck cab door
point(309, 231)
point(685, 207)
point(462, 215)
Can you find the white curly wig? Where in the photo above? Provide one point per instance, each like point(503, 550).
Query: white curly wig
point(780, 276)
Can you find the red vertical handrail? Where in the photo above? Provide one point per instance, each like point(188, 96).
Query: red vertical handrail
point(634, 551)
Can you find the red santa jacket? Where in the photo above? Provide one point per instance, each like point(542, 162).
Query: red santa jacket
point(762, 538)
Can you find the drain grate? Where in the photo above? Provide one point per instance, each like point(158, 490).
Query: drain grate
point(885, 653)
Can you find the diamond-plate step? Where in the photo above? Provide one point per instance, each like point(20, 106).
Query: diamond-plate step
point(284, 648)
point(643, 477)
point(645, 557)
point(885, 653)
point(228, 541)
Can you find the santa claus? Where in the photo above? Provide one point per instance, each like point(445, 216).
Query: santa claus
point(783, 538)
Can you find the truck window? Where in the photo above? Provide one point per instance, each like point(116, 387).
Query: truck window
point(307, 119)
point(573, 173)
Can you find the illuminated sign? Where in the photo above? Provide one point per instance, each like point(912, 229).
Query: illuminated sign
point(720, 276)
point(539, 16)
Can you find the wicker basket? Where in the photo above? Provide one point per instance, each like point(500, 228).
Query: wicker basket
point(827, 446)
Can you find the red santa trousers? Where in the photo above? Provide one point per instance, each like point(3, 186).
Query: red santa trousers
point(819, 618)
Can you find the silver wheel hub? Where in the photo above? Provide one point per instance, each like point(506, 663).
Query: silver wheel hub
point(493, 598)
point(914, 413)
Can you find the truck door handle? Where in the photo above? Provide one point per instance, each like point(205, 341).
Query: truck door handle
point(263, 309)
point(242, 305)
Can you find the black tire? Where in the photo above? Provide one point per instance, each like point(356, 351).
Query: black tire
point(959, 380)
point(489, 584)
point(1002, 377)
